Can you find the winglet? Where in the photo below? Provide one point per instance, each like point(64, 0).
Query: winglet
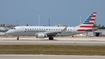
point(64, 29)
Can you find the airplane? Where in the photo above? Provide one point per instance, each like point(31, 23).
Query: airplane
point(52, 31)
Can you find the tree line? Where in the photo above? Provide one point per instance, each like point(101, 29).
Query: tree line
point(99, 26)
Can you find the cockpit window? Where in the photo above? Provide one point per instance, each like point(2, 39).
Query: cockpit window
point(13, 28)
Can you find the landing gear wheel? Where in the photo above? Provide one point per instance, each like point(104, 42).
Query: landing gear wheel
point(51, 38)
point(18, 38)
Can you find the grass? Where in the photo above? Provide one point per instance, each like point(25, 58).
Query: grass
point(52, 49)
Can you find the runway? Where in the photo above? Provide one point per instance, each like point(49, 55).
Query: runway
point(49, 57)
point(90, 41)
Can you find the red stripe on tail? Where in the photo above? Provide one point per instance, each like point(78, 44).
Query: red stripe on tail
point(91, 23)
point(82, 30)
point(86, 26)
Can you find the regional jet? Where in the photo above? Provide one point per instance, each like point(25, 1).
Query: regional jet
point(52, 31)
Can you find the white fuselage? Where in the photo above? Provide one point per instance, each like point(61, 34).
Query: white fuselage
point(32, 30)
point(50, 31)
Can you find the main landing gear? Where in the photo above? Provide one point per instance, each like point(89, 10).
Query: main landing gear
point(17, 37)
point(51, 38)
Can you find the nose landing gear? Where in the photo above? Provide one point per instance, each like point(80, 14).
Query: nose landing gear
point(17, 37)
point(51, 38)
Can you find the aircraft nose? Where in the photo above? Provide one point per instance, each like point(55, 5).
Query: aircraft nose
point(9, 32)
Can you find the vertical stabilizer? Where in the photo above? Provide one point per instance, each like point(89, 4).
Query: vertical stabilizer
point(87, 25)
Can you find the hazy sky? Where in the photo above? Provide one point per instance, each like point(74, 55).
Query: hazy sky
point(65, 12)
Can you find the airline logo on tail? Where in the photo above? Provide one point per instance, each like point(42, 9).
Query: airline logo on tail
point(87, 25)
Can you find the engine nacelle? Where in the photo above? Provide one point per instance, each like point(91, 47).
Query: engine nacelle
point(41, 35)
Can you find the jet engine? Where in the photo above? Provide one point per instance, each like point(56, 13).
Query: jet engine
point(41, 35)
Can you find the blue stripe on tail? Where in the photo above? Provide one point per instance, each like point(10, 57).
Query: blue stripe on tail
point(88, 19)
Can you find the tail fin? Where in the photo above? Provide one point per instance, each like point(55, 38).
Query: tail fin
point(88, 23)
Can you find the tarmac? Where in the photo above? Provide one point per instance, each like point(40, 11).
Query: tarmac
point(49, 57)
point(87, 41)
